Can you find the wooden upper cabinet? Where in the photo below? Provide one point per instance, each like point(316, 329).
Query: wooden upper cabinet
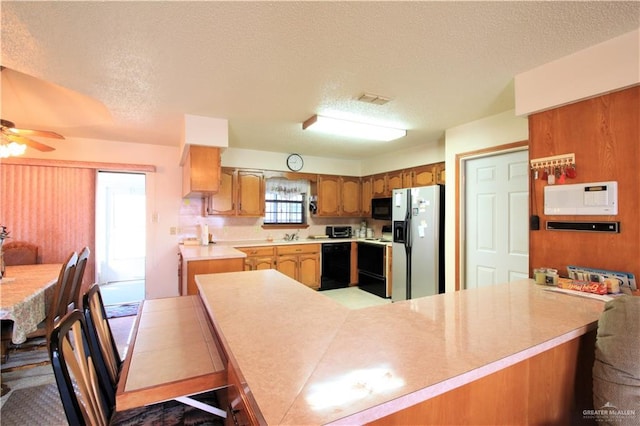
point(338, 196)
point(250, 193)
point(379, 186)
point(408, 178)
point(394, 181)
point(350, 196)
point(423, 176)
point(328, 195)
point(439, 172)
point(223, 203)
point(241, 193)
point(366, 193)
point(201, 171)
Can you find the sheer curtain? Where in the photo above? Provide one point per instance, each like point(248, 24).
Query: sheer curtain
point(285, 189)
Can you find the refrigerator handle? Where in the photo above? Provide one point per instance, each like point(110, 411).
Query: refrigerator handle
point(407, 221)
point(407, 245)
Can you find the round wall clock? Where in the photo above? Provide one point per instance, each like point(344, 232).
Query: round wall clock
point(294, 162)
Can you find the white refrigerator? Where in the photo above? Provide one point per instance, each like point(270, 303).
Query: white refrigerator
point(418, 244)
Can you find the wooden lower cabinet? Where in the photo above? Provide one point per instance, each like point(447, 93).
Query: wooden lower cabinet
point(259, 257)
point(300, 262)
point(551, 388)
point(196, 267)
point(240, 406)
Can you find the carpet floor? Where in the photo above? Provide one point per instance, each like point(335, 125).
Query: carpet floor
point(30, 400)
point(35, 405)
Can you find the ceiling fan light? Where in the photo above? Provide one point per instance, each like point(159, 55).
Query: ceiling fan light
point(12, 149)
point(352, 129)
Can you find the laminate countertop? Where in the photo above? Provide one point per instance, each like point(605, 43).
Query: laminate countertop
point(309, 360)
point(227, 249)
point(209, 252)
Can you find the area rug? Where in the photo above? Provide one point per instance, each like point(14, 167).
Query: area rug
point(31, 353)
point(125, 310)
point(36, 405)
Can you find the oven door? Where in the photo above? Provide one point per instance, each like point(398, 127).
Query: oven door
point(372, 269)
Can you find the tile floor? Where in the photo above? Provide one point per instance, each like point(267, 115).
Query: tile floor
point(122, 292)
point(354, 298)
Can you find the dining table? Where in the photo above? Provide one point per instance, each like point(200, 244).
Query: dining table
point(25, 292)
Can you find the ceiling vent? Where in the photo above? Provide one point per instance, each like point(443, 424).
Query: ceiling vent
point(373, 99)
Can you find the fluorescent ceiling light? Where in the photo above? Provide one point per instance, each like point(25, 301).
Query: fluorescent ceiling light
point(352, 129)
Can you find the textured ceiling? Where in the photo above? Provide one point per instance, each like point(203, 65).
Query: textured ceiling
point(137, 67)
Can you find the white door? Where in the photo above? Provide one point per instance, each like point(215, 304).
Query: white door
point(496, 219)
point(120, 224)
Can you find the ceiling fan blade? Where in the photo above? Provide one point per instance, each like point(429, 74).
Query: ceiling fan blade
point(29, 142)
point(30, 132)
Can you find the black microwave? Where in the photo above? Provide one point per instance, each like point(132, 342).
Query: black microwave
point(381, 208)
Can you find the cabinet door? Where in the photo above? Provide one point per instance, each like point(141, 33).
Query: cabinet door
point(223, 203)
point(309, 270)
point(328, 195)
point(196, 267)
point(350, 196)
point(366, 190)
point(407, 178)
point(288, 265)
point(249, 264)
point(250, 193)
point(263, 263)
point(440, 174)
point(394, 181)
point(379, 188)
point(423, 176)
point(201, 171)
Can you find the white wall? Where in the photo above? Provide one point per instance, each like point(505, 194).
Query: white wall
point(488, 132)
point(428, 153)
point(246, 158)
point(605, 67)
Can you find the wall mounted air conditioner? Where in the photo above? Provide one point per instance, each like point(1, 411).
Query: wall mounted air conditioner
point(597, 198)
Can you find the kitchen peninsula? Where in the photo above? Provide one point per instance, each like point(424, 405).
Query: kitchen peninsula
point(207, 259)
point(509, 353)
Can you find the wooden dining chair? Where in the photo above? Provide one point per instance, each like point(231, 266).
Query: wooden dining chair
point(82, 390)
point(57, 307)
point(19, 253)
point(61, 294)
point(101, 339)
point(75, 292)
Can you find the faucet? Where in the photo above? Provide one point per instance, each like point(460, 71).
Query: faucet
point(291, 237)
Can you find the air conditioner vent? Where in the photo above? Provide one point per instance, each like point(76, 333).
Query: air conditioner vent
point(373, 99)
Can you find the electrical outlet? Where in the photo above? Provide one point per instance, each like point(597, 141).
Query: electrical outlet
point(173, 230)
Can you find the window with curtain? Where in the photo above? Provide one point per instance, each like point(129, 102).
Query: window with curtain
point(285, 201)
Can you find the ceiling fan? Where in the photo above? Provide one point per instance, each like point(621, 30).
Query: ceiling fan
point(23, 136)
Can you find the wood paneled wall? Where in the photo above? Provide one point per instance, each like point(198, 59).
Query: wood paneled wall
point(604, 134)
point(53, 207)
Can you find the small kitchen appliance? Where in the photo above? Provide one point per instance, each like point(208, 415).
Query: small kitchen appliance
point(338, 231)
point(381, 208)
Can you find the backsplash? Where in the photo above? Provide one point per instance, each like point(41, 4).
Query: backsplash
point(230, 228)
